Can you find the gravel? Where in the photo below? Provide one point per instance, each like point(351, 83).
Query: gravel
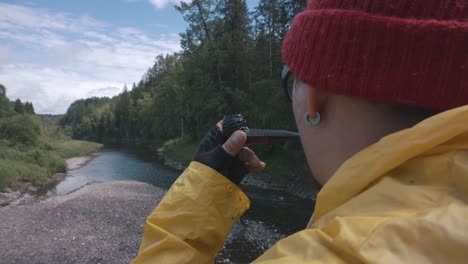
point(103, 223)
point(100, 223)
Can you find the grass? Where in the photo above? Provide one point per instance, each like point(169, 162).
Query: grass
point(73, 148)
point(32, 149)
point(180, 149)
point(35, 163)
point(12, 170)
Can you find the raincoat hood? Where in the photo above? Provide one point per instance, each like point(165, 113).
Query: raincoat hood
point(443, 133)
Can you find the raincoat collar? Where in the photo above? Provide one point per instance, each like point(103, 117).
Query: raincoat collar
point(444, 132)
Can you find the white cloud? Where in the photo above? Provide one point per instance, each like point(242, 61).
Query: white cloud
point(164, 3)
point(159, 4)
point(5, 55)
point(37, 18)
point(70, 57)
point(106, 91)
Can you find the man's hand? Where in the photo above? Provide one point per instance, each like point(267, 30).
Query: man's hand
point(228, 156)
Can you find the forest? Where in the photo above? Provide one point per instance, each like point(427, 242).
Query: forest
point(230, 63)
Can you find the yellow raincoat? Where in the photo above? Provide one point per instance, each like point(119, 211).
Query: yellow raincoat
point(401, 200)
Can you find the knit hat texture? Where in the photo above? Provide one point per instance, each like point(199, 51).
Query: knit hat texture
point(394, 51)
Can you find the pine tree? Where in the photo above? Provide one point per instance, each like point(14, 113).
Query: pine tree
point(29, 108)
point(230, 63)
point(18, 107)
point(234, 45)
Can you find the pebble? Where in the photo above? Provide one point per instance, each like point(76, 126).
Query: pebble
point(106, 221)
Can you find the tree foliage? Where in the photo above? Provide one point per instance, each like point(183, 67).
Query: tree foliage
point(5, 106)
point(22, 108)
point(230, 63)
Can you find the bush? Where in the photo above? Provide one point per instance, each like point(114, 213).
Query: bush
point(12, 170)
point(31, 152)
point(56, 163)
point(7, 173)
point(20, 129)
point(73, 148)
point(34, 163)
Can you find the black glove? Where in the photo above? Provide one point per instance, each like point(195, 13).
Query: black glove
point(212, 153)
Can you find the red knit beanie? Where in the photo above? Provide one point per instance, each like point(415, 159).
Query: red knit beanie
point(412, 52)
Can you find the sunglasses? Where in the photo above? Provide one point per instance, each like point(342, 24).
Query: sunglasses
point(289, 82)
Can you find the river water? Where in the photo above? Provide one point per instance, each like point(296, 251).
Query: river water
point(272, 216)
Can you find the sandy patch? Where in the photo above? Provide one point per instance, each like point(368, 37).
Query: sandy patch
point(77, 162)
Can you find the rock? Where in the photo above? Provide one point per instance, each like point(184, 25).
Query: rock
point(299, 186)
point(7, 197)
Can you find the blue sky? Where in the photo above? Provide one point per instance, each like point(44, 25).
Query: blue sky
point(53, 52)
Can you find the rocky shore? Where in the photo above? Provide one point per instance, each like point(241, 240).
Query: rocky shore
point(103, 223)
point(100, 223)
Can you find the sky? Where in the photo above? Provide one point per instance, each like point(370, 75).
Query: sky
point(53, 52)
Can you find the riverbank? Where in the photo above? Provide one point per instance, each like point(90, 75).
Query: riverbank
point(22, 163)
point(103, 223)
point(22, 191)
point(77, 162)
point(80, 215)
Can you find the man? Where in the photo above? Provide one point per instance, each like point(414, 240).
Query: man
point(395, 175)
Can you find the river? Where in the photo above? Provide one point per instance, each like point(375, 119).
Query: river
point(272, 216)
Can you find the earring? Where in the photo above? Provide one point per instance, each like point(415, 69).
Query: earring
point(313, 123)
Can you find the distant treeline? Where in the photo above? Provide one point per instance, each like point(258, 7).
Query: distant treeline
point(18, 124)
point(230, 63)
point(7, 107)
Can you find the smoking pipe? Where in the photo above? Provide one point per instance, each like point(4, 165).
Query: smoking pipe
point(232, 123)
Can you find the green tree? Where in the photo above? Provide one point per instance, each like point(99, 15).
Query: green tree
point(20, 129)
point(83, 116)
point(5, 106)
point(122, 114)
point(29, 108)
point(234, 45)
point(18, 106)
point(230, 63)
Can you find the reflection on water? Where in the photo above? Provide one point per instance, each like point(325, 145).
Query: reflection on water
point(117, 165)
point(272, 216)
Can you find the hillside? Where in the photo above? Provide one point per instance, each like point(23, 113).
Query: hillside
point(31, 150)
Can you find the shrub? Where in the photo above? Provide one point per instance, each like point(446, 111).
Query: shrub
point(20, 129)
point(12, 170)
point(73, 148)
